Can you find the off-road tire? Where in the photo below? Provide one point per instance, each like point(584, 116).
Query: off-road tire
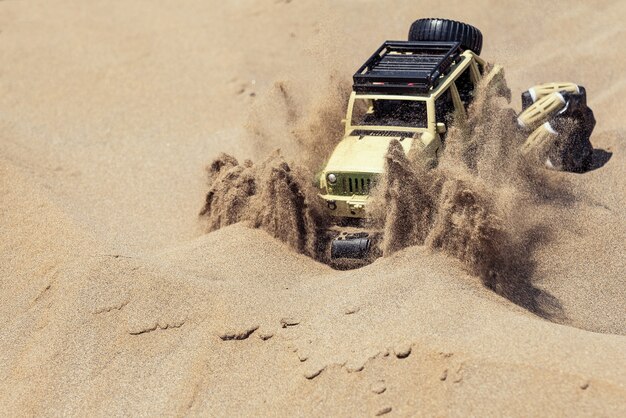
point(444, 30)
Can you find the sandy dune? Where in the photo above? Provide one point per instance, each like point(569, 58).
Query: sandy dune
point(114, 301)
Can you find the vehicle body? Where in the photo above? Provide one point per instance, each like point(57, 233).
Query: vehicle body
point(411, 91)
point(417, 117)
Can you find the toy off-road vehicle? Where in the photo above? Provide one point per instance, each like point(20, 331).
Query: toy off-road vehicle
point(409, 91)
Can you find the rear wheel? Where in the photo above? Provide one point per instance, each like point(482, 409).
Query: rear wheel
point(575, 124)
point(444, 30)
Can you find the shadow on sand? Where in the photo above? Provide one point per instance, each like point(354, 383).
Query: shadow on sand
point(513, 276)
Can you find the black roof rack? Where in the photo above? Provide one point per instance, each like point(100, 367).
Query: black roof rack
point(403, 67)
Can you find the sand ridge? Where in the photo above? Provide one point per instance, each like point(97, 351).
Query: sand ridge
point(115, 301)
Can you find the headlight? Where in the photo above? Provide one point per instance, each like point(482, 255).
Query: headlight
point(332, 179)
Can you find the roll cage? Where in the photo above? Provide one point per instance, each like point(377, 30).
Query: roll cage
point(439, 74)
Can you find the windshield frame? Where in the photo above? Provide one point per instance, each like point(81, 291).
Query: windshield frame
point(354, 96)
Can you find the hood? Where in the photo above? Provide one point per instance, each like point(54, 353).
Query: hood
point(364, 154)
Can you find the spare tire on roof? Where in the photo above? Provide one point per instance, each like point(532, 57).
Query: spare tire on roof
point(444, 30)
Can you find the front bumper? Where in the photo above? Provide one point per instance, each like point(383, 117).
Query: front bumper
point(345, 206)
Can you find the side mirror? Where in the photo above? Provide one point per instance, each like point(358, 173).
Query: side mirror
point(441, 128)
point(344, 121)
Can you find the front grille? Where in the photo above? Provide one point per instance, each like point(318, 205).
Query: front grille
point(351, 184)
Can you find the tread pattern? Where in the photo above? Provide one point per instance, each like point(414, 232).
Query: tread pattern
point(435, 29)
point(571, 125)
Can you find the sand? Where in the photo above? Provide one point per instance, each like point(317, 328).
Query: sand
point(114, 300)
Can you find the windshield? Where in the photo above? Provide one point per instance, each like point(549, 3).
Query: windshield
point(386, 112)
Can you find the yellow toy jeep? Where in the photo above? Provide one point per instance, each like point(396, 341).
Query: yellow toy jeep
point(409, 91)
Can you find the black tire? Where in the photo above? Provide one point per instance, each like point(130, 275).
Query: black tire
point(574, 151)
point(444, 30)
